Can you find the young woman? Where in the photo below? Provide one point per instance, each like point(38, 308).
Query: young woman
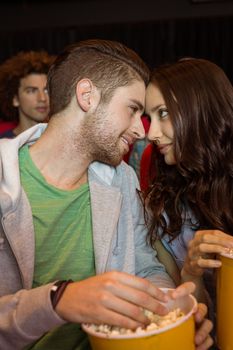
point(190, 199)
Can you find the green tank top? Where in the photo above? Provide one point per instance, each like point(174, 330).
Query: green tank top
point(63, 243)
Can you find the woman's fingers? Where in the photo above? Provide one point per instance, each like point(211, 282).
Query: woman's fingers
point(214, 237)
point(208, 342)
point(200, 313)
point(205, 263)
point(203, 340)
point(205, 245)
point(182, 290)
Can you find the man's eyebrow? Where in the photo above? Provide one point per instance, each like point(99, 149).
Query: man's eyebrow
point(140, 106)
point(30, 87)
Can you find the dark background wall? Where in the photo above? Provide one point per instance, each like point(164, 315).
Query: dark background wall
point(160, 31)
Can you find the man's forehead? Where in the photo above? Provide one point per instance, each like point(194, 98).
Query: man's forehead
point(135, 91)
point(33, 80)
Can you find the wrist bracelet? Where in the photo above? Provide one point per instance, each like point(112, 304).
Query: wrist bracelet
point(57, 290)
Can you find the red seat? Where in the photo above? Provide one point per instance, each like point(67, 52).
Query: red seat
point(5, 126)
point(145, 167)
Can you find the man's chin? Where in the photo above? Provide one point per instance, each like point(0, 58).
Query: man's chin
point(112, 162)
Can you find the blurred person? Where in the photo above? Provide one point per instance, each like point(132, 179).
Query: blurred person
point(23, 94)
point(73, 237)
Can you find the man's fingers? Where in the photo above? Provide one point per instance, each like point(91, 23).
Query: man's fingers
point(141, 298)
point(142, 285)
point(136, 291)
point(130, 313)
point(115, 318)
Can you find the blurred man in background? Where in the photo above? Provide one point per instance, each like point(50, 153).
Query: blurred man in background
point(23, 94)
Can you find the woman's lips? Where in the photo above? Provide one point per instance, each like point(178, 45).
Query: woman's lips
point(42, 109)
point(163, 149)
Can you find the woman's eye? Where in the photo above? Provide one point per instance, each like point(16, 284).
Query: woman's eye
point(163, 113)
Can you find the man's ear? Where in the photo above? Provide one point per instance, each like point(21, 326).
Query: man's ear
point(84, 94)
point(15, 101)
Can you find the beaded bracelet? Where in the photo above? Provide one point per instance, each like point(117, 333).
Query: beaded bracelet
point(57, 290)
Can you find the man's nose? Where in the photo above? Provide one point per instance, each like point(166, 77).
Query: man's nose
point(138, 129)
point(42, 95)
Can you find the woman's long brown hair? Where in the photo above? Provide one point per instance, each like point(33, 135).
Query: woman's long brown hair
point(199, 98)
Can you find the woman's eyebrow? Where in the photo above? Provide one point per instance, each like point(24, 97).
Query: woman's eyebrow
point(155, 108)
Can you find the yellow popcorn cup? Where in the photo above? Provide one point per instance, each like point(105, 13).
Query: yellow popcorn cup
point(225, 302)
point(177, 335)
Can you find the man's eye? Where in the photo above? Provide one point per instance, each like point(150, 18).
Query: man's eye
point(134, 109)
point(31, 90)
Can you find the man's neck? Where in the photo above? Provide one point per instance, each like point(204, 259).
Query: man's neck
point(61, 166)
point(22, 126)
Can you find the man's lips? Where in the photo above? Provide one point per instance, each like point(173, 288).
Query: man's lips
point(125, 140)
point(128, 141)
point(42, 109)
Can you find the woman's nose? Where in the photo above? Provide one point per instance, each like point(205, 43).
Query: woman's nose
point(154, 131)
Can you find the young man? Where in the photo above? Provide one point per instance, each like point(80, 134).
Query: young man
point(70, 208)
point(23, 94)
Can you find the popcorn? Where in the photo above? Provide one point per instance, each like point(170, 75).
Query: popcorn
point(156, 322)
point(230, 251)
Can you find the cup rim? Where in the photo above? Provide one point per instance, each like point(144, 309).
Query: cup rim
point(88, 330)
point(227, 255)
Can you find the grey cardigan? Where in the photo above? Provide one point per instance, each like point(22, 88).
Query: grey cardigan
point(118, 233)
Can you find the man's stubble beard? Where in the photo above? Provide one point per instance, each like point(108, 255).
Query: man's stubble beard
point(99, 141)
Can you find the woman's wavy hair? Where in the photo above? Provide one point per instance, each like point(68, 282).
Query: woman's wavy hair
point(13, 70)
point(199, 98)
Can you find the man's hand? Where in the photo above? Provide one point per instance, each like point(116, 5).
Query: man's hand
point(119, 298)
point(114, 298)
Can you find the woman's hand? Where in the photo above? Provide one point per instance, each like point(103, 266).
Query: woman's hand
point(204, 326)
point(203, 248)
point(203, 340)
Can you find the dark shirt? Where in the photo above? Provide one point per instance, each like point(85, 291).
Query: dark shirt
point(7, 134)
